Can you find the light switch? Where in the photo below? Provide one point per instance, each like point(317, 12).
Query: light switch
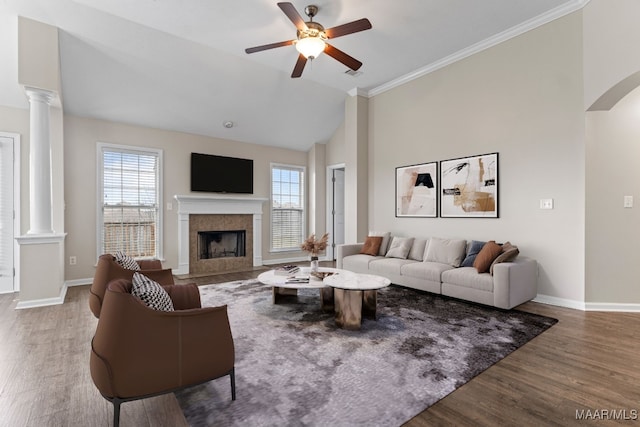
point(169, 206)
point(546, 203)
point(628, 201)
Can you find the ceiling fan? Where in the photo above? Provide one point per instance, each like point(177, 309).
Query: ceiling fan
point(312, 38)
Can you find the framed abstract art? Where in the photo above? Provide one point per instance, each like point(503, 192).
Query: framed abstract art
point(469, 187)
point(417, 190)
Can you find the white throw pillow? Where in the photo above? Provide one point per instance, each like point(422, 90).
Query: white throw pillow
point(418, 249)
point(446, 251)
point(125, 261)
point(386, 237)
point(151, 293)
point(400, 247)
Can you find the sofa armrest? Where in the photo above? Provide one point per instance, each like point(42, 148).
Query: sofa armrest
point(346, 250)
point(515, 282)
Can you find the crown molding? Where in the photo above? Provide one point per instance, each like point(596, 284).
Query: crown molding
point(512, 32)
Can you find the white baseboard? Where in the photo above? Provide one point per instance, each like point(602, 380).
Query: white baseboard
point(290, 260)
point(78, 282)
point(560, 302)
point(613, 306)
point(588, 306)
point(45, 301)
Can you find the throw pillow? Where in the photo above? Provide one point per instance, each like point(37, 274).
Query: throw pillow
point(125, 261)
point(371, 245)
point(446, 251)
point(400, 247)
point(474, 250)
point(151, 293)
point(386, 237)
point(488, 253)
point(418, 249)
point(508, 254)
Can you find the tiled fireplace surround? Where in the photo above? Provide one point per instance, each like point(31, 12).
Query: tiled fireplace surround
point(218, 213)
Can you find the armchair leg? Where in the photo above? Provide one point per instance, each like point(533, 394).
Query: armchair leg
point(116, 412)
point(233, 383)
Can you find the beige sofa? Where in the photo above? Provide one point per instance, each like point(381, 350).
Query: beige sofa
point(436, 265)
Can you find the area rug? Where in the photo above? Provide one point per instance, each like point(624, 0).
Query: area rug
point(294, 367)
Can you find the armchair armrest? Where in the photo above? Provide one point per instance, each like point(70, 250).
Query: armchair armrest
point(150, 264)
point(163, 277)
point(185, 296)
point(346, 250)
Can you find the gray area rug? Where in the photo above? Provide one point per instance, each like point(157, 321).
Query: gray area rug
point(295, 368)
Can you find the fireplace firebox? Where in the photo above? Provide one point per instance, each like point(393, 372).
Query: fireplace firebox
point(221, 244)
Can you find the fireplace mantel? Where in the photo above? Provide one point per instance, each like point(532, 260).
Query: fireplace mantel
point(217, 204)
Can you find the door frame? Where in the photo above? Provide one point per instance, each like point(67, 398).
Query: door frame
point(330, 249)
point(16, 205)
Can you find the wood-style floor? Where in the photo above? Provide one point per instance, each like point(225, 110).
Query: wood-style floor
point(588, 362)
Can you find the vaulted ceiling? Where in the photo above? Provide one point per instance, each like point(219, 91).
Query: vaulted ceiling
point(180, 64)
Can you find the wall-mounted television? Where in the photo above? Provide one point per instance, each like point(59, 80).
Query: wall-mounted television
point(220, 174)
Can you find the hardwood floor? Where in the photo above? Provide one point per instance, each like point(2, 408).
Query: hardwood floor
point(587, 362)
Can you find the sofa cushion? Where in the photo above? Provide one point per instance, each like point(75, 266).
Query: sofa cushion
point(468, 277)
point(488, 253)
point(508, 254)
point(418, 249)
point(388, 266)
point(425, 270)
point(474, 249)
point(358, 262)
point(371, 245)
point(151, 293)
point(446, 251)
point(386, 237)
point(399, 247)
point(125, 261)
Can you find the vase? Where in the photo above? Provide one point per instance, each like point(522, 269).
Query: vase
point(314, 264)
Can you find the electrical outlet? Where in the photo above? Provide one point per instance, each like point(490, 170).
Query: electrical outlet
point(73, 260)
point(546, 203)
point(628, 201)
point(169, 206)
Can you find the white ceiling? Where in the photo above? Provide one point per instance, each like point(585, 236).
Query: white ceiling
point(181, 65)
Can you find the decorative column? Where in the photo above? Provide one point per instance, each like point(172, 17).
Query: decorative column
point(40, 207)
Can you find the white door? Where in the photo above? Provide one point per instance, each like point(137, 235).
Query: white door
point(6, 214)
point(338, 207)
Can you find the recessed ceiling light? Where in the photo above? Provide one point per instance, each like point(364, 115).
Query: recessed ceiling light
point(228, 124)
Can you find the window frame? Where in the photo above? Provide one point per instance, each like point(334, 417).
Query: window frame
point(101, 148)
point(303, 203)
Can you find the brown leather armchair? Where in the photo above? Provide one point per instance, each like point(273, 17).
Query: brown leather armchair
point(108, 270)
point(138, 352)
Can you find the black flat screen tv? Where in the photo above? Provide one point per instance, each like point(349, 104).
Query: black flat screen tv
point(220, 174)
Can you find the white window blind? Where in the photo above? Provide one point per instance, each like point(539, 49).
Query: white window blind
point(130, 214)
point(287, 207)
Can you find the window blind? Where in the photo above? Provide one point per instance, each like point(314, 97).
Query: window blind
point(287, 207)
point(130, 207)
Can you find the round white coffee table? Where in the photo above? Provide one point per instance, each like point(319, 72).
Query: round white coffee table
point(282, 285)
point(355, 295)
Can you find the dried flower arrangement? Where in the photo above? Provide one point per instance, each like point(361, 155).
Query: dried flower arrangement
point(314, 246)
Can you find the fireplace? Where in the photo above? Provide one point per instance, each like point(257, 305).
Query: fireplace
point(218, 214)
point(221, 244)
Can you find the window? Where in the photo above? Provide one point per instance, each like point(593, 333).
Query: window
point(287, 207)
point(129, 213)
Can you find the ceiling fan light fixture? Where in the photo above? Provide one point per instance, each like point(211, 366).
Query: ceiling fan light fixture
point(310, 47)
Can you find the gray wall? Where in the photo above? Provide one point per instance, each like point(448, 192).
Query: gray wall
point(523, 99)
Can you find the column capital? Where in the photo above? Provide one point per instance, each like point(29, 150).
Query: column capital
point(39, 95)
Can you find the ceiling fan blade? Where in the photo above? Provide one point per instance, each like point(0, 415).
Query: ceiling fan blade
point(340, 56)
point(291, 12)
point(268, 46)
point(300, 63)
point(350, 28)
